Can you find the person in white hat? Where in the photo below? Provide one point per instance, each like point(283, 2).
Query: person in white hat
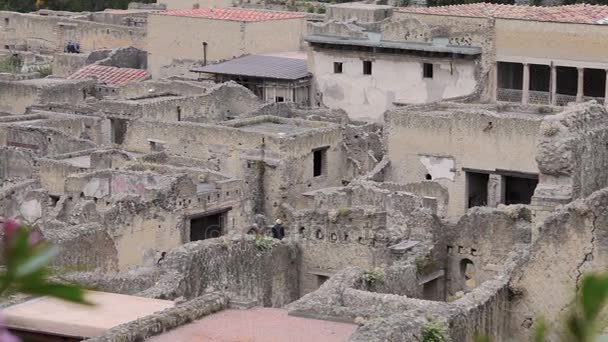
point(278, 231)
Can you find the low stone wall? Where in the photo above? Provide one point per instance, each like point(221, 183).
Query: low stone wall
point(234, 265)
point(157, 323)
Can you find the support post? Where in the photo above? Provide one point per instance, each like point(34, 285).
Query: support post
point(496, 190)
point(579, 84)
point(606, 90)
point(553, 84)
point(525, 87)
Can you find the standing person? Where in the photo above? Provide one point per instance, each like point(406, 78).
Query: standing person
point(278, 231)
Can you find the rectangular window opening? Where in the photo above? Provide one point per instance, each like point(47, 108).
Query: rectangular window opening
point(367, 67)
point(337, 67)
point(279, 99)
point(477, 189)
point(427, 70)
point(319, 160)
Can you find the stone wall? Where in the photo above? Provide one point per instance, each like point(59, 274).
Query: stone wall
point(234, 265)
point(571, 242)
point(572, 155)
point(51, 33)
point(42, 141)
point(480, 242)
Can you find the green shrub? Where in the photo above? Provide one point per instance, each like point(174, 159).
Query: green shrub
point(263, 242)
point(435, 332)
point(374, 277)
point(321, 10)
point(11, 64)
point(44, 71)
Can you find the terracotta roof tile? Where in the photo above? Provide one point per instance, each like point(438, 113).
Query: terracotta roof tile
point(236, 14)
point(579, 13)
point(110, 75)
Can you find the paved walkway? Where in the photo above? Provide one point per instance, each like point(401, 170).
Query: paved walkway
point(258, 325)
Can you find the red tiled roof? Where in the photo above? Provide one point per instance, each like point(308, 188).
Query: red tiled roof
point(579, 13)
point(110, 75)
point(236, 14)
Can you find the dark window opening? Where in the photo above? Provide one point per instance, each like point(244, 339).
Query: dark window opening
point(519, 190)
point(367, 67)
point(510, 75)
point(427, 70)
point(321, 279)
point(594, 82)
point(477, 189)
point(179, 113)
point(118, 128)
point(428, 176)
point(319, 160)
point(207, 227)
point(6, 21)
point(567, 79)
point(540, 77)
point(467, 273)
point(279, 99)
point(337, 67)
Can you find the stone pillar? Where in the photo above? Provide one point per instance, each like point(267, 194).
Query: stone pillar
point(606, 90)
point(525, 86)
point(579, 84)
point(496, 190)
point(553, 85)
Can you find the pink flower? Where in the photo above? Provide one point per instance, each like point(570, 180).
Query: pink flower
point(34, 238)
point(10, 228)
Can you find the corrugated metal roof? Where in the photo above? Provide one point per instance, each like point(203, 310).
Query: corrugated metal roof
point(578, 13)
point(110, 75)
point(260, 66)
point(236, 14)
point(412, 46)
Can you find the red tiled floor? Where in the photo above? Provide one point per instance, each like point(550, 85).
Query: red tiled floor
point(258, 325)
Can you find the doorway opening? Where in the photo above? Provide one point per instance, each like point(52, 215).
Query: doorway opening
point(208, 226)
point(477, 189)
point(519, 190)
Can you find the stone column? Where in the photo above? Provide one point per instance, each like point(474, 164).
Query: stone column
point(496, 190)
point(525, 86)
point(553, 85)
point(606, 90)
point(579, 84)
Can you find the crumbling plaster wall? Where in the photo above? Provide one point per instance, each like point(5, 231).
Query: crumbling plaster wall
point(572, 241)
point(440, 143)
point(394, 78)
point(460, 31)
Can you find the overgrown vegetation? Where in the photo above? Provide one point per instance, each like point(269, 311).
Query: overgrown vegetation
point(435, 332)
point(44, 71)
point(263, 242)
point(374, 277)
point(425, 265)
point(11, 64)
